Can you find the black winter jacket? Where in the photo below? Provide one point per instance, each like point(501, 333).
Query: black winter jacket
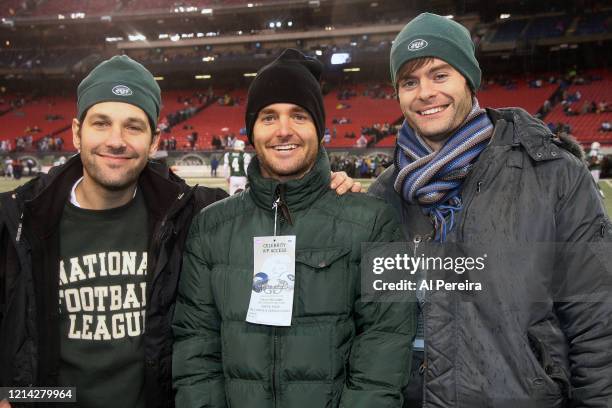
point(539, 334)
point(29, 267)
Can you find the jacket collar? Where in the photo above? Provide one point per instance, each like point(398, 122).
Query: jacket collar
point(48, 197)
point(298, 194)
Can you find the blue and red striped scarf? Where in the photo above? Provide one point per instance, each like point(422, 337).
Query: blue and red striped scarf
point(433, 179)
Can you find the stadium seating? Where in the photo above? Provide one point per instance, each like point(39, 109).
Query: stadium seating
point(594, 23)
point(530, 99)
point(549, 26)
point(364, 111)
point(585, 127)
point(509, 30)
point(55, 7)
point(34, 113)
point(10, 8)
point(216, 119)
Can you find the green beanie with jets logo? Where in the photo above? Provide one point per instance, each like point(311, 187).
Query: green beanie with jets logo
point(120, 79)
point(431, 35)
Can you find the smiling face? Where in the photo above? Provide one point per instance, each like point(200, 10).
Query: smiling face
point(434, 98)
point(285, 140)
point(115, 142)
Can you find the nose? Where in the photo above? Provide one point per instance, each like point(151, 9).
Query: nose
point(427, 89)
point(115, 137)
point(284, 126)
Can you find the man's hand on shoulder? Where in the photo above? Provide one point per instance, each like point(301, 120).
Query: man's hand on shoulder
point(342, 183)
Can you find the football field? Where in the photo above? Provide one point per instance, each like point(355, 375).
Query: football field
point(9, 184)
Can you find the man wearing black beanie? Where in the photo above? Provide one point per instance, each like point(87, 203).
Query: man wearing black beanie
point(268, 311)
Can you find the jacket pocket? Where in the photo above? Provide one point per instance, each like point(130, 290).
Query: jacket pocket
point(551, 382)
point(323, 282)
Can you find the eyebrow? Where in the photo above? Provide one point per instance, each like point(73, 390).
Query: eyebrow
point(293, 110)
point(437, 67)
point(266, 111)
point(108, 119)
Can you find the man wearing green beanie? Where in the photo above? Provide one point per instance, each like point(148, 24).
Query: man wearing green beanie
point(91, 253)
point(480, 181)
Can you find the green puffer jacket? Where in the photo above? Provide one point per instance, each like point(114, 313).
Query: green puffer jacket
point(338, 351)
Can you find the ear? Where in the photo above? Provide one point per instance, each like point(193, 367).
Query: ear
point(154, 142)
point(76, 139)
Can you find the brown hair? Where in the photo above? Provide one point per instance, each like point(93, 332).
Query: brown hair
point(414, 64)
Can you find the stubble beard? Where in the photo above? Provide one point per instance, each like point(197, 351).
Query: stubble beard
point(114, 184)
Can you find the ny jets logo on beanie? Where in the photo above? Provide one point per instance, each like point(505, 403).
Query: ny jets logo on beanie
point(122, 90)
point(417, 44)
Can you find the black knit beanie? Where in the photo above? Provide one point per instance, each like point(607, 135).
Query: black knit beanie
point(291, 78)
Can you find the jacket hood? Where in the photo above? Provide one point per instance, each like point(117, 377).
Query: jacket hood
point(299, 193)
point(533, 134)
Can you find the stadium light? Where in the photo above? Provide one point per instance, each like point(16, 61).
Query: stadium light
point(158, 78)
point(249, 4)
point(175, 37)
point(208, 59)
point(290, 23)
point(504, 16)
point(137, 37)
point(340, 58)
point(163, 36)
point(250, 74)
point(271, 25)
point(352, 69)
point(207, 11)
point(319, 52)
point(278, 24)
point(450, 16)
point(202, 77)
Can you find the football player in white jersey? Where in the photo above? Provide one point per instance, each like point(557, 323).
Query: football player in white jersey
point(235, 165)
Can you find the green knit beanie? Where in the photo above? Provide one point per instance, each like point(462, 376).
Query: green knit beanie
point(120, 79)
point(431, 35)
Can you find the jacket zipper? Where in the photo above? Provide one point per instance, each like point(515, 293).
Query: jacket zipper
point(274, 371)
point(416, 241)
point(277, 203)
point(159, 239)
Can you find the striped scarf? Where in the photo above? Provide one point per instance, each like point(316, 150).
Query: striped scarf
point(434, 179)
